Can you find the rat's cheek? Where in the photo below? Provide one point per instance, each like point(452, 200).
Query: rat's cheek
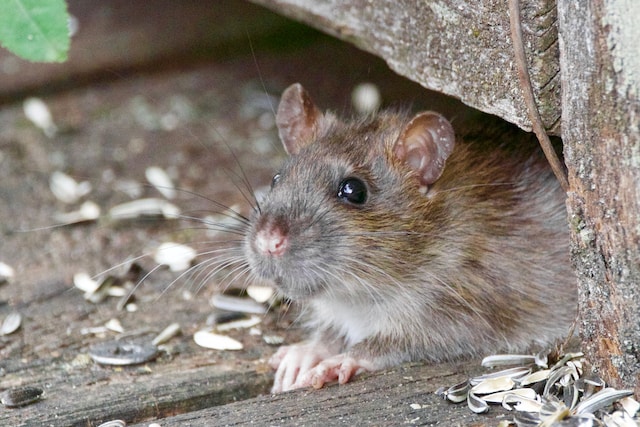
point(293, 362)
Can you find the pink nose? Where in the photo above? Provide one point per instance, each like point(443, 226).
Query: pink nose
point(271, 242)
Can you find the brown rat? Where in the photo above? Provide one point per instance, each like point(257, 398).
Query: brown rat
point(402, 243)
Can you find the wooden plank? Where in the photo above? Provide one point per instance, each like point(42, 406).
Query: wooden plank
point(601, 121)
point(381, 399)
point(460, 48)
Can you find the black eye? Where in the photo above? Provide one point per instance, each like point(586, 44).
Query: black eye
point(352, 190)
point(275, 179)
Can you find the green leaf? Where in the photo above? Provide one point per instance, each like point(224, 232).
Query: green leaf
point(36, 30)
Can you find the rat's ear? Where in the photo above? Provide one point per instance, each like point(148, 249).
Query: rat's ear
point(425, 144)
point(297, 118)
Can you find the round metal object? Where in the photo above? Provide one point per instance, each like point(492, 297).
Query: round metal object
point(122, 353)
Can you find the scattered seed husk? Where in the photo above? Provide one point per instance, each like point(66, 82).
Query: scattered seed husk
point(20, 396)
point(120, 353)
point(7, 273)
point(161, 181)
point(88, 211)
point(273, 339)
point(456, 393)
point(493, 385)
point(526, 419)
point(476, 404)
point(565, 401)
point(39, 114)
point(630, 405)
point(507, 360)
point(553, 410)
point(67, 189)
point(261, 294)
point(85, 283)
point(144, 208)
point(239, 324)
point(113, 423)
point(555, 376)
point(115, 326)
point(619, 419)
point(415, 406)
point(207, 339)
point(601, 399)
point(224, 316)
point(102, 291)
point(166, 334)
point(176, 256)
point(524, 405)
point(231, 303)
point(510, 396)
point(117, 291)
point(94, 330)
point(11, 323)
point(535, 377)
point(131, 307)
point(514, 373)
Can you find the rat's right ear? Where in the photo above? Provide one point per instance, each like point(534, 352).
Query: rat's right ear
point(425, 144)
point(298, 119)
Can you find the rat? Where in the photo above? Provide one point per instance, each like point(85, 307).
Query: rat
point(402, 242)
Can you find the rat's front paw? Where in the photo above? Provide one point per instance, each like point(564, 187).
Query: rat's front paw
point(292, 362)
point(341, 367)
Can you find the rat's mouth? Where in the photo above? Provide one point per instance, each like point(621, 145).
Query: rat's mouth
point(296, 290)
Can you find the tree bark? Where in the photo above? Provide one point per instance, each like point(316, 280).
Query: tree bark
point(600, 73)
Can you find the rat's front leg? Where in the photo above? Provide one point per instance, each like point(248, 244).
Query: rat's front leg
point(315, 363)
point(293, 362)
point(341, 367)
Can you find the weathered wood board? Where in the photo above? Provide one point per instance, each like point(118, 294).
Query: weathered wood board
point(402, 396)
point(460, 48)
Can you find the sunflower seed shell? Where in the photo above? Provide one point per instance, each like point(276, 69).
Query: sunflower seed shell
point(476, 404)
point(161, 181)
point(493, 385)
point(231, 303)
point(208, 339)
point(22, 396)
point(11, 323)
point(507, 359)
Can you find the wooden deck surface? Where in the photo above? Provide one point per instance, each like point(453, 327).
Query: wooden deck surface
point(109, 131)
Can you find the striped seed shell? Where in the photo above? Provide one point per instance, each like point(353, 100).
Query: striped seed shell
point(21, 396)
point(507, 360)
point(477, 404)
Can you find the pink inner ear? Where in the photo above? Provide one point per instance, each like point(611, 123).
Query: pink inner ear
point(425, 144)
point(297, 118)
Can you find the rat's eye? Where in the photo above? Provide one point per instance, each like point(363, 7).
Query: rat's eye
point(275, 180)
point(352, 190)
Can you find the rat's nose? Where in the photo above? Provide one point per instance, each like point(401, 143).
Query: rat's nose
point(271, 241)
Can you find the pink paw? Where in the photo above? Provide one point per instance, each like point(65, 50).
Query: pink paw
point(291, 362)
point(313, 364)
point(341, 367)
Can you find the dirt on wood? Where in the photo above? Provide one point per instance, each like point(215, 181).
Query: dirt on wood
point(210, 126)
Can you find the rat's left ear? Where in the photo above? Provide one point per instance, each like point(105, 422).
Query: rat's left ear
point(298, 119)
point(425, 144)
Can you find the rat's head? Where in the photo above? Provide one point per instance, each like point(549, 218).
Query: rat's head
point(341, 210)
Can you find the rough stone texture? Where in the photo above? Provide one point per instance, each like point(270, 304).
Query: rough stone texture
point(460, 48)
point(601, 99)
